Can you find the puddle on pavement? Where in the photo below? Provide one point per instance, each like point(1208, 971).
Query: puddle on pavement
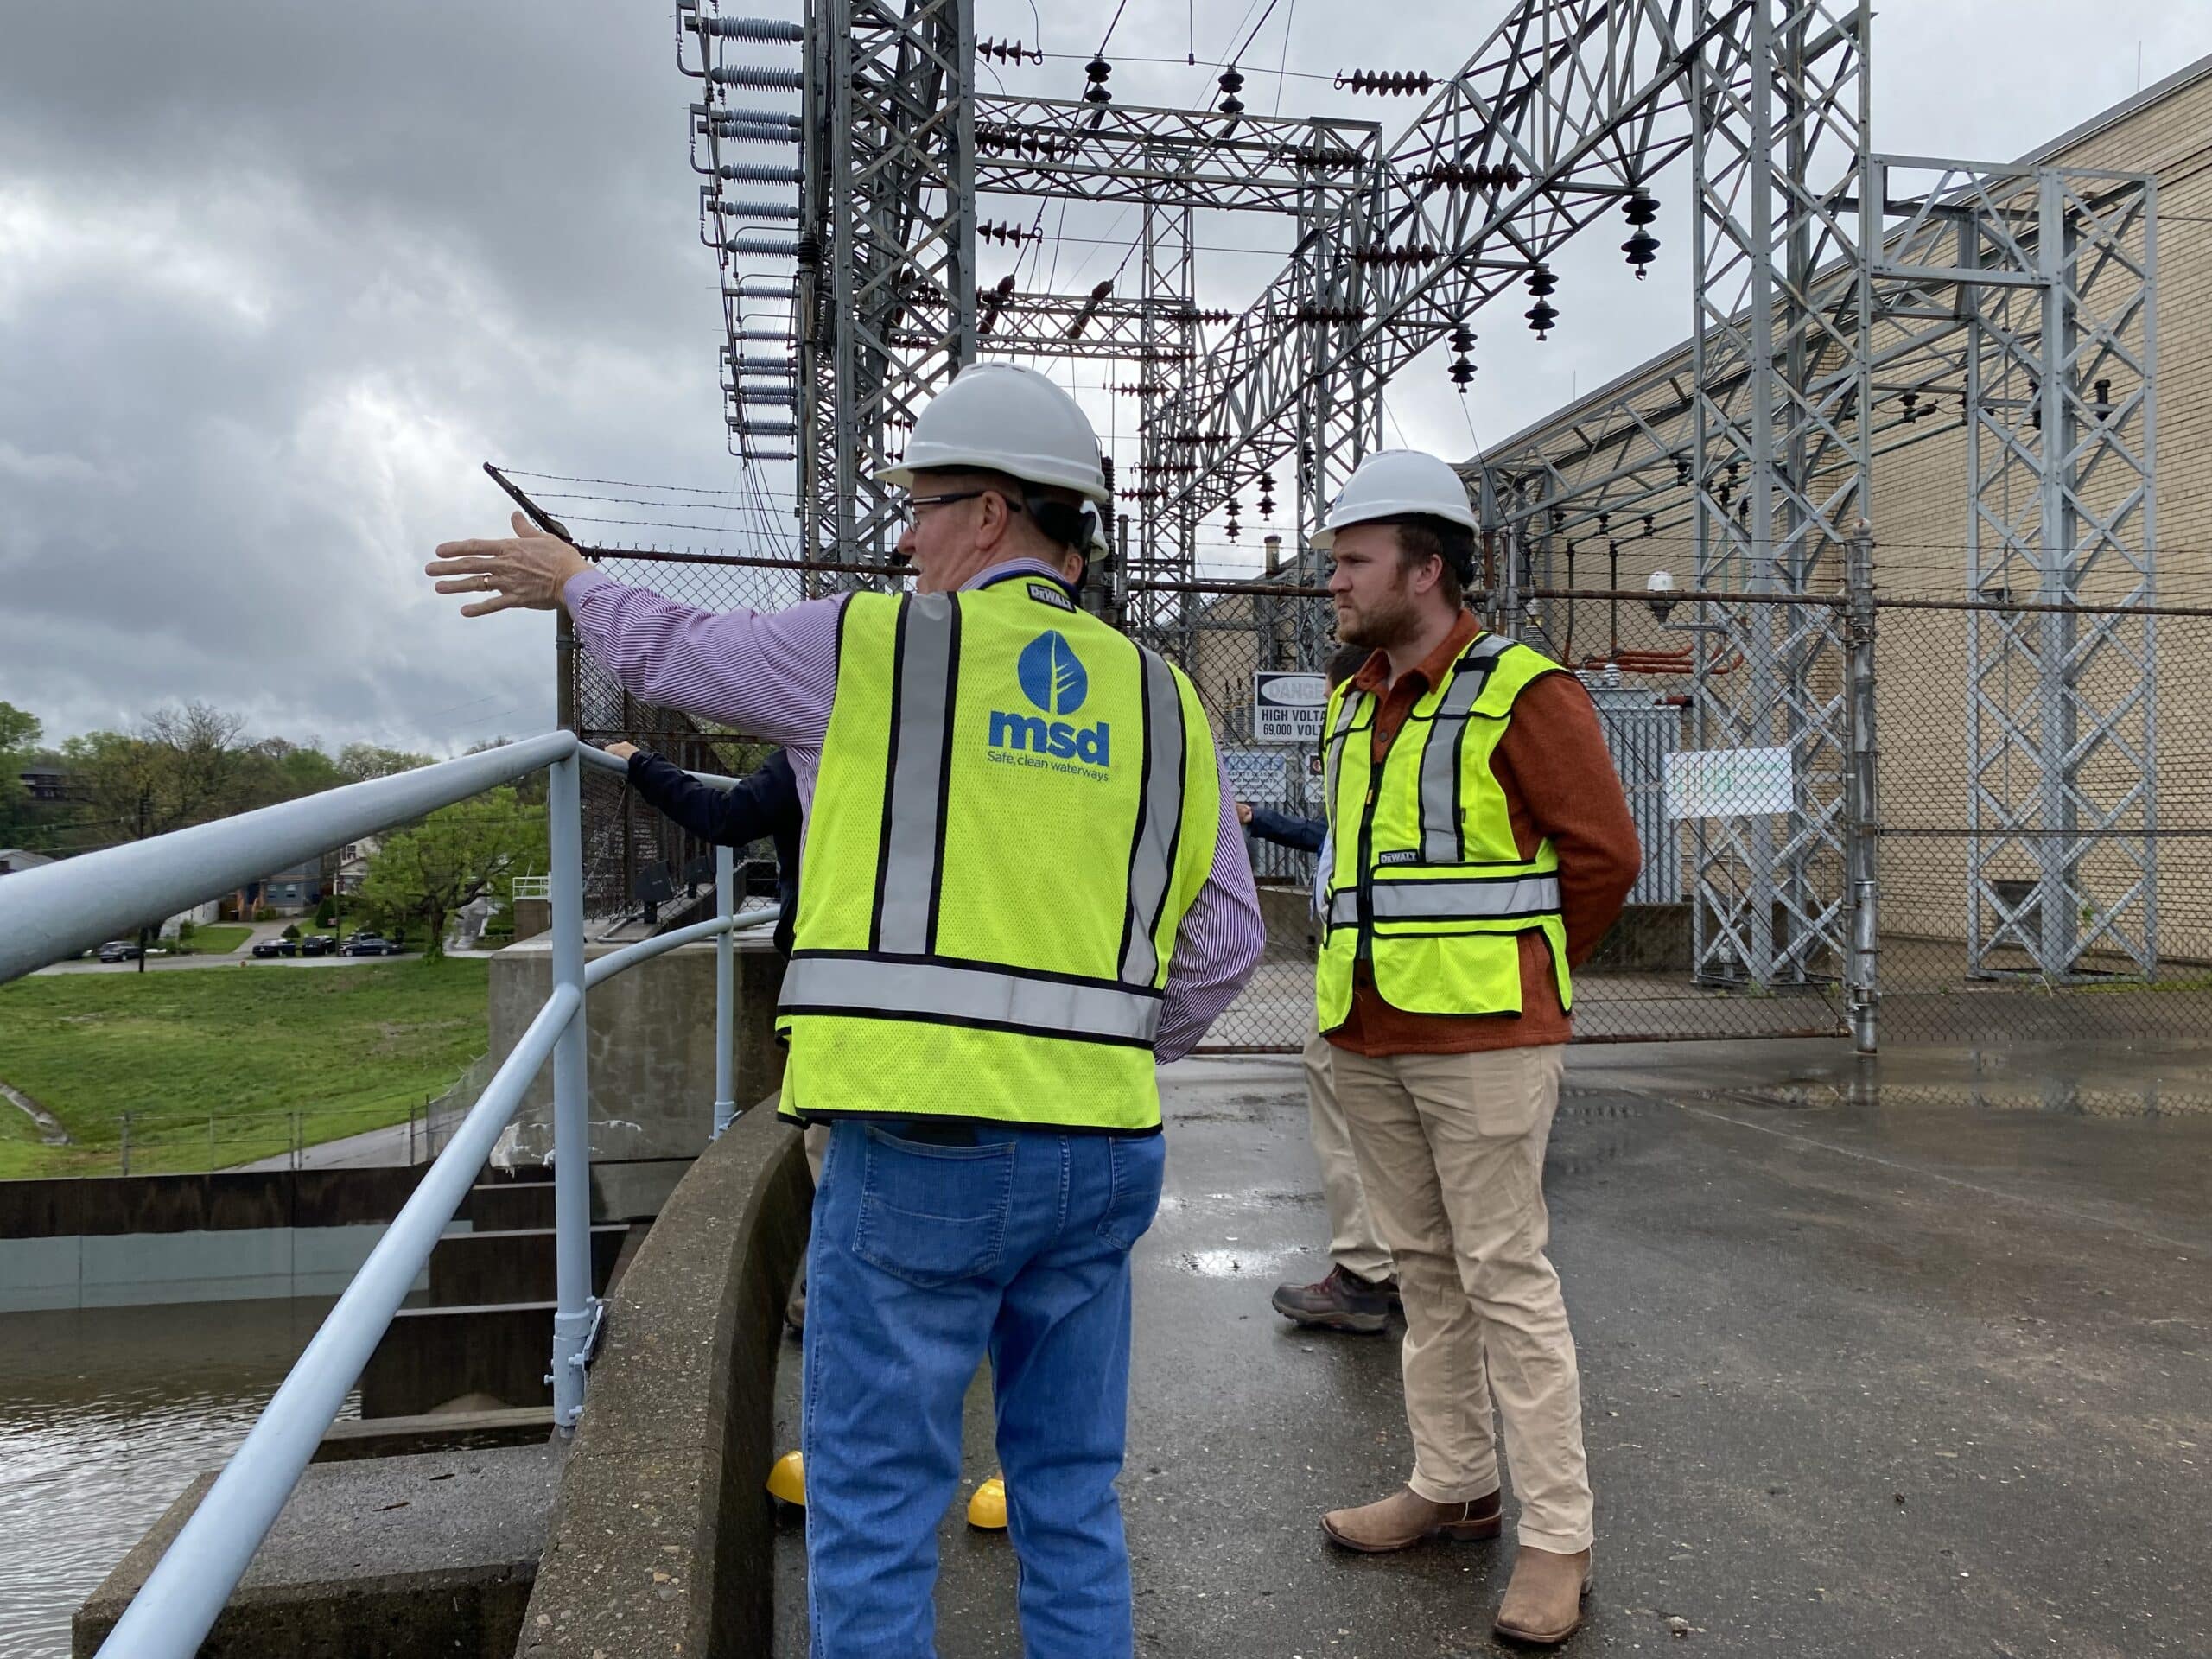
point(1234, 1261)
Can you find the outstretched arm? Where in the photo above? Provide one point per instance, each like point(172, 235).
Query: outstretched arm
point(770, 674)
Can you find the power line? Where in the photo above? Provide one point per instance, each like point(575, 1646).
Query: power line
point(1180, 63)
point(1110, 27)
point(616, 483)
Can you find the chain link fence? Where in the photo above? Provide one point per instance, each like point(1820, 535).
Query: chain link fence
point(2034, 812)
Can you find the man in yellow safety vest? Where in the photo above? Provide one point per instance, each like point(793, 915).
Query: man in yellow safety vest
point(1481, 845)
point(1021, 886)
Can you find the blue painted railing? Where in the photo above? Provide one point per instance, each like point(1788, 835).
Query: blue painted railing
point(60, 909)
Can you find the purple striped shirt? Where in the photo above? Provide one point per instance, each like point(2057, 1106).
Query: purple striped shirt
point(774, 674)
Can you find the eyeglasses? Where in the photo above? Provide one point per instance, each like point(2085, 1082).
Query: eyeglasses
point(914, 503)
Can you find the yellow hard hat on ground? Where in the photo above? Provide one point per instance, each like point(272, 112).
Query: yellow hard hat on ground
point(787, 1479)
point(987, 1509)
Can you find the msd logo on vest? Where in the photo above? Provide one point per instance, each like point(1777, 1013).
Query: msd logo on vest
point(1052, 678)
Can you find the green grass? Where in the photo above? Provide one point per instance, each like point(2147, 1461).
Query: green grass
point(351, 1050)
point(218, 938)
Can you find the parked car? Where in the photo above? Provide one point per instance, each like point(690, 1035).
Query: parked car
point(319, 944)
point(277, 948)
point(120, 950)
point(368, 945)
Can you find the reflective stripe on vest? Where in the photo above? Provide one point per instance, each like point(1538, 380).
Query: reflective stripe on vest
point(1429, 894)
point(1443, 841)
point(1152, 860)
point(954, 993)
point(924, 659)
point(911, 867)
point(1015, 808)
point(1501, 899)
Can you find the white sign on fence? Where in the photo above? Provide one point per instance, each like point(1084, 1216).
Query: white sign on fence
point(1729, 783)
point(1287, 707)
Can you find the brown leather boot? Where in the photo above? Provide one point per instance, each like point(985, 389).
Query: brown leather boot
point(1543, 1599)
point(1405, 1518)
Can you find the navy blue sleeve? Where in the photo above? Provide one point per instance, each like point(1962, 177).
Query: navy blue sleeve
point(1304, 833)
point(759, 804)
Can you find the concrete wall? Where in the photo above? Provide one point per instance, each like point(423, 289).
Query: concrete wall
point(137, 1240)
point(652, 1047)
point(668, 1463)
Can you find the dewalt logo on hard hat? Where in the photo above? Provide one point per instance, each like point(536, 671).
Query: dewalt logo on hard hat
point(1052, 677)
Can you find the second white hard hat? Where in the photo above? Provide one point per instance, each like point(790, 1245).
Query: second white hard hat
point(1000, 418)
point(1397, 484)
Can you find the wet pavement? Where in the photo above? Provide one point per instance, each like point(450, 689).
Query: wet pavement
point(1911, 1361)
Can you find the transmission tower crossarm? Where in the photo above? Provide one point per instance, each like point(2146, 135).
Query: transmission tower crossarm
point(1562, 110)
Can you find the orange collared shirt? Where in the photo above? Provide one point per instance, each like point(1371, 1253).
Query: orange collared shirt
point(1559, 782)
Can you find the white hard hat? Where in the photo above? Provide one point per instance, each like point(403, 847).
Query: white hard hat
point(1397, 484)
point(1000, 417)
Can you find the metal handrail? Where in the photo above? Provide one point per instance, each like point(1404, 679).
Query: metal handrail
point(58, 909)
point(72, 903)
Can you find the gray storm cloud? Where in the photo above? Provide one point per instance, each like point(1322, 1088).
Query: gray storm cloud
point(275, 278)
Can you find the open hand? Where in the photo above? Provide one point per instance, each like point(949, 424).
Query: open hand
point(525, 573)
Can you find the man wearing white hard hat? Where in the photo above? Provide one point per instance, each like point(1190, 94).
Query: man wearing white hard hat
point(1482, 847)
point(1021, 886)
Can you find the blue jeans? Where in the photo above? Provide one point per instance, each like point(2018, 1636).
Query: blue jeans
point(925, 1255)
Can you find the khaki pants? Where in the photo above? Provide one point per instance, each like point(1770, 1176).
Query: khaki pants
point(1354, 1245)
point(1451, 1148)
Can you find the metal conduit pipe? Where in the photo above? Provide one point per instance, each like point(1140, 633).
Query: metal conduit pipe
point(629, 956)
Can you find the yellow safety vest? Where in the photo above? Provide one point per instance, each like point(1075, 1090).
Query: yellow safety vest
point(1427, 884)
point(1016, 805)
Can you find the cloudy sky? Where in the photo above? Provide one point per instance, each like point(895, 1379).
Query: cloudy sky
point(274, 279)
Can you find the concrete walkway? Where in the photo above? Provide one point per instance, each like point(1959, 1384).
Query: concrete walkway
point(1875, 1366)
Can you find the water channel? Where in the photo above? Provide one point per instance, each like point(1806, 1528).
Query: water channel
point(105, 1415)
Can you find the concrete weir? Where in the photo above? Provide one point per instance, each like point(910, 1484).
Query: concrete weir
point(647, 1533)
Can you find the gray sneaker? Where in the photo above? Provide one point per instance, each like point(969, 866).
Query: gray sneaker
point(1343, 1301)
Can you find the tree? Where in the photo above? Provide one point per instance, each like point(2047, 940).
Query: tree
point(19, 735)
point(460, 853)
point(177, 769)
point(358, 762)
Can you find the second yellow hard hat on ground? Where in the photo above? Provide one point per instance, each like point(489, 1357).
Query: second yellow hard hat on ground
point(985, 1508)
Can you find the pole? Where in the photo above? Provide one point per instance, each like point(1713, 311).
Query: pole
point(725, 990)
point(1862, 821)
point(126, 1143)
point(573, 1310)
